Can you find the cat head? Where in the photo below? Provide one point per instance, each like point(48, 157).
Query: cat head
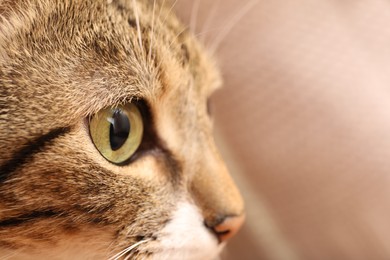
point(106, 140)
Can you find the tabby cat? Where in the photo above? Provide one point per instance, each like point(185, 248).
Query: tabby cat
point(106, 140)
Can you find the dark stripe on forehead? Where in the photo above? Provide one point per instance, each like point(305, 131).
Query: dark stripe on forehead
point(24, 155)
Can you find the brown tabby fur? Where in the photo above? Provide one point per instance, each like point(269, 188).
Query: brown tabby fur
point(62, 61)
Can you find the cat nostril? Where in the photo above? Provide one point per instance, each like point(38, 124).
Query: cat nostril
point(227, 228)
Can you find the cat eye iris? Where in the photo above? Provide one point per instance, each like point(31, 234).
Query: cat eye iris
point(117, 132)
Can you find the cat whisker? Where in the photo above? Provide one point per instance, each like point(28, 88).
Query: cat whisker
point(152, 32)
point(230, 25)
point(157, 20)
point(170, 44)
point(161, 7)
point(194, 15)
point(209, 30)
point(11, 255)
point(210, 18)
point(127, 250)
point(170, 10)
point(127, 257)
point(177, 35)
point(138, 25)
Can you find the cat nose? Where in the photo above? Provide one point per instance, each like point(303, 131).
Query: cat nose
point(226, 227)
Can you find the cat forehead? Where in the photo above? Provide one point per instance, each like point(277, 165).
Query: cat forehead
point(124, 49)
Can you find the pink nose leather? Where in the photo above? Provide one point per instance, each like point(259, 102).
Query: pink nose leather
point(229, 227)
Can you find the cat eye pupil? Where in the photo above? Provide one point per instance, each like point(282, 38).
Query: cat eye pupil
point(119, 129)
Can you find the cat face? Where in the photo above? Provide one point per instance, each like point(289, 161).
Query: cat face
point(106, 142)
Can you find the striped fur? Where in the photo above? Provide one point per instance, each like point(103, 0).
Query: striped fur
point(61, 62)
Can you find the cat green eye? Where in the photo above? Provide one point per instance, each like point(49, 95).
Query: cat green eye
point(117, 132)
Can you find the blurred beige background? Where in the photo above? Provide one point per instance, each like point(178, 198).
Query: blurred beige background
point(304, 122)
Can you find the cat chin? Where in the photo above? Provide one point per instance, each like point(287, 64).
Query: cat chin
point(182, 254)
point(186, 237)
